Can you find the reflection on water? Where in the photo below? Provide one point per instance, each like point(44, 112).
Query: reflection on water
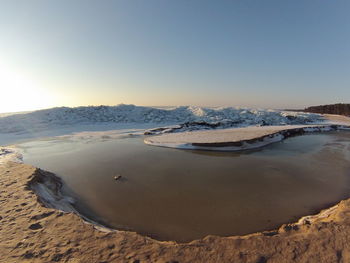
point(184, 195)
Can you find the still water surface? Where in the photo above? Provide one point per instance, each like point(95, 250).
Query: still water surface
point(182, 195)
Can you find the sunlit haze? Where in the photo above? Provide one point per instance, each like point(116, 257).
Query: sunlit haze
point(265, 54)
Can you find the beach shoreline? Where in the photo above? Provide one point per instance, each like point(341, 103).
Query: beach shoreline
point(38, 224)
point(32, 232)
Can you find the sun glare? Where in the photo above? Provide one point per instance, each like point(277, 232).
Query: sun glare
point(19, 92)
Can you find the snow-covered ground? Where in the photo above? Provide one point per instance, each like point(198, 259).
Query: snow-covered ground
point(131, 118)
point(236, 139)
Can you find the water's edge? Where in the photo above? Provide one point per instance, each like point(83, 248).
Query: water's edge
point(248, 144)
point(48, 187)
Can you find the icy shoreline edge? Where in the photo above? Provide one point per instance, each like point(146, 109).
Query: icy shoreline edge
point(213, 144)
point(48, 188)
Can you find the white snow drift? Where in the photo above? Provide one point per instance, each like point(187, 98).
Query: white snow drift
point(57, 117)
point(236, 139)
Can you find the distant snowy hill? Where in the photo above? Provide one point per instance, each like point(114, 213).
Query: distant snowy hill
point(190, 117)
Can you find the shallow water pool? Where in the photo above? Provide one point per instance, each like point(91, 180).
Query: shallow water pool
point(181, 195)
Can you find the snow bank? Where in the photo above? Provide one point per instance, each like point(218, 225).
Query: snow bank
point(191, 118)
point(236, 139)
point(242, 145)
point(49, 189)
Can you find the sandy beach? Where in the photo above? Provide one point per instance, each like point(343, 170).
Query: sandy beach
point(174, 131)
point(32, 232)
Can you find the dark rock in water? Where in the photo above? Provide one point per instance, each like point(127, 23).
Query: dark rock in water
point(117, 177)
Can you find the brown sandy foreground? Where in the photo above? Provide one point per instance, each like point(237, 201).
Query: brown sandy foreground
point(32, 232)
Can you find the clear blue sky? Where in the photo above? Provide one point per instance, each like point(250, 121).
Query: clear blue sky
point(271, 54)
